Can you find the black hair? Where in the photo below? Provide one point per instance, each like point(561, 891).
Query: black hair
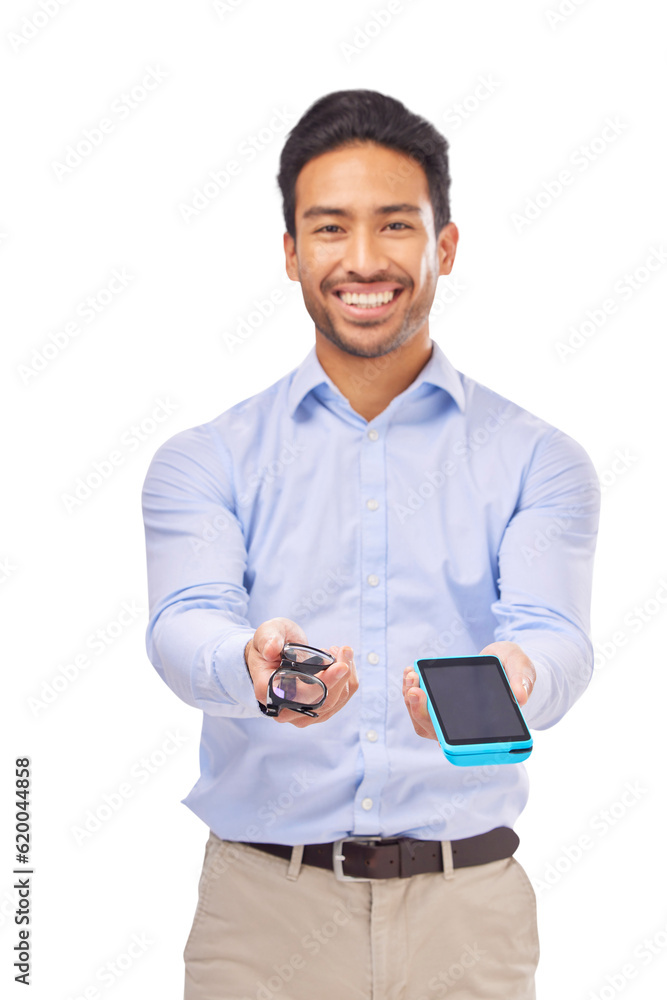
point(347, 117)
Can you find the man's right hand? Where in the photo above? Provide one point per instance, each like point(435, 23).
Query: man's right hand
point(262, 656)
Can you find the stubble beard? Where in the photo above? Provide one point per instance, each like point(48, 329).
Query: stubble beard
point(413, 321)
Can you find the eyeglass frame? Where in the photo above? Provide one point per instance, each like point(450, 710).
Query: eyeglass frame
point(274, 704)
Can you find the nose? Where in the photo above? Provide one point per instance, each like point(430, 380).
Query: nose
point(363, 254)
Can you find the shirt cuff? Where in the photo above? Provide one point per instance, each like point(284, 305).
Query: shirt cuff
point(533, 710)
point(562, 673)
point(232, 674)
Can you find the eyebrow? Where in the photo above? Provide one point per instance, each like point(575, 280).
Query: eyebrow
point(318, 210)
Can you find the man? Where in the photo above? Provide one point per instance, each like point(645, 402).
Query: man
point(377, 499)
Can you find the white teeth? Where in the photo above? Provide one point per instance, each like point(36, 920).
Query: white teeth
point(367, 301)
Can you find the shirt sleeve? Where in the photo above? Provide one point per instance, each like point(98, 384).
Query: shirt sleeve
point(196, 560)
point(546, 570)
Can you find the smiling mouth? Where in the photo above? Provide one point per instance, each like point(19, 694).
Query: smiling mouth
point(368, 303)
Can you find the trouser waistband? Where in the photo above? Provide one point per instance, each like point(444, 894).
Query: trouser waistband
point(399, 857)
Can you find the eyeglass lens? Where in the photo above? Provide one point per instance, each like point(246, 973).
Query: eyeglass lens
point(294, 686)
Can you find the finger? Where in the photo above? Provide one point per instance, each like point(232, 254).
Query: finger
point(269, 647)
point(343, 669)
point(272, 647)
point(274, 633)
point(337, 695)
point(343, 654)
point(289, 630)
point(348, 654)
point(518, 666)
point(522, 686)
point(295, 718)
point(521, 675)
point(416, 700)
point(410, 680)
point(420, 724)
point(341, 681)
point(421, 720)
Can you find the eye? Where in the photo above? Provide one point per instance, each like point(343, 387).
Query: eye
point(330, 227)
point(400, 224)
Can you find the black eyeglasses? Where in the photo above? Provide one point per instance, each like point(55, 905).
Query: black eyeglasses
point(293, 685)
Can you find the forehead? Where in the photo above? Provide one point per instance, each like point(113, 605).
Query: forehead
point(361, 177)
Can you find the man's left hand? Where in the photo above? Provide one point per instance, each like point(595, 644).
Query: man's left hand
point(518, 667)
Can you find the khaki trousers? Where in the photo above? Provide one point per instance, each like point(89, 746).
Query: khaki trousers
point(269, 929)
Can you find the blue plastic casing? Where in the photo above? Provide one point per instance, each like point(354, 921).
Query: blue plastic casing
point(473, 754)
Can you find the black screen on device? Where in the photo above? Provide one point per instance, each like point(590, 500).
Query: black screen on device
point(472, 701)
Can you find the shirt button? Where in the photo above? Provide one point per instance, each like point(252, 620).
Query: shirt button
point(371, 735)
point(373, 658)
point(373, 434)
point(373, 580)
point(372, 504)
point(366, 804)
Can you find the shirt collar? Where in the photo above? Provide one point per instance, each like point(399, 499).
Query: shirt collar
point(438, 371)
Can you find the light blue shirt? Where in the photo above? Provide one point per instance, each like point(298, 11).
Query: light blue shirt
point(453, 519)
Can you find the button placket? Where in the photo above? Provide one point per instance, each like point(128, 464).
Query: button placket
point(373, 630)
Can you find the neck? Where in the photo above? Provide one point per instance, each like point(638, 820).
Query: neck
point(370, 384)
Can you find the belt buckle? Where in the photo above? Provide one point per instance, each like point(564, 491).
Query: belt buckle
point(339, 858)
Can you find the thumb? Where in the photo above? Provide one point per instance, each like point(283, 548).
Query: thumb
point(273, 645)
point(522, 687)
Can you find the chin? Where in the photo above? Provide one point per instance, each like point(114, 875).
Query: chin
point(366, 347)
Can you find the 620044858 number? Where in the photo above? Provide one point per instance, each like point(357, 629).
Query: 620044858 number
point(22, 811)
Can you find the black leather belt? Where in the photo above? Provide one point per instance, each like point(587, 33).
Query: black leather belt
point(355, 858)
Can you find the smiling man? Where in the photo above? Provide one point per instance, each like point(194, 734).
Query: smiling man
point(390, 246)
point(414, 512)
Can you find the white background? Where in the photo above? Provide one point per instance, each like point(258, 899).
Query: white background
point(515, 293)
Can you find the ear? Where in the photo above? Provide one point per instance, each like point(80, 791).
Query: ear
point(447, 242)
point(291, 263)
